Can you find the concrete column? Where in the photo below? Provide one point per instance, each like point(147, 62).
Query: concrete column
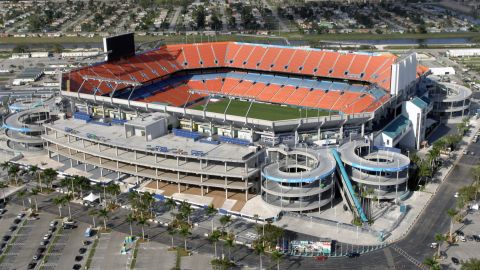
point(341, 132)
point(200, 163)
point(116, 151)
point(117, 165)
point(71, 163)
point(99, 149)
point(85, 166)
point(246, 167)
point(178, 185)
point(136, 168)
point(56, 134)
point(246, 194)
point(201, 189)
point(135, 154)
point(226, 193)
point(177, 161)
point(84, 156)
point(156, 172)
point(100, 160)
point(83, 143)
point(225, 166)
point(156, 158)
point(362, 132)
point(101, 172)
point(157, 184)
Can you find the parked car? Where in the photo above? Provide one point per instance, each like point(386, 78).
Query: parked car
point(82, 250)
point(31, 265)
point(53, 223)
point(353, 254)
point(455, 260)
point(37, 256)
point(21, 215)
point(476, 238)
point(44, 243)
point(12, 228)
point(47, 236)
point(6, 238)
point(78, 258)
point(433, 245)
point(76, 266)
point(469, 238)
point(40, 250)
point(459, 233)
point(16, 221)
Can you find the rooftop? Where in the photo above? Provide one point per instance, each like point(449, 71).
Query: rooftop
point(396, 127)
point(420, 103)
point(178, 146)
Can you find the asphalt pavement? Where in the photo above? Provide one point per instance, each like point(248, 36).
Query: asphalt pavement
point(405, 254)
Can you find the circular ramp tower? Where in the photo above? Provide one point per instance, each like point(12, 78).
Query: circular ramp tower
point(376, 173)
point(298, 180)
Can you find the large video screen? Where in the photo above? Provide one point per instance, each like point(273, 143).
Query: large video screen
point(119, 46)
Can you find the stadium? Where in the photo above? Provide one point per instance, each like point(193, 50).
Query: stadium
point(224, 122)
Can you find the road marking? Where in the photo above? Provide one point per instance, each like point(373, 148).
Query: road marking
point(389, 257)
point(408, 257)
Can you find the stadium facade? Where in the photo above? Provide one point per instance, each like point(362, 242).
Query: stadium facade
point(295, 126)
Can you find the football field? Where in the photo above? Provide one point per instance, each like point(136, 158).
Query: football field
point(263, 111)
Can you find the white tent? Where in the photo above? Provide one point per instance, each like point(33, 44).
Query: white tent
point(91, 197)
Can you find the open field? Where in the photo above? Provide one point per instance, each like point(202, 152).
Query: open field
point(261, 110)
point(312, 38)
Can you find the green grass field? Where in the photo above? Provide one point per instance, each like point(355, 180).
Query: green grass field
point(261, 111)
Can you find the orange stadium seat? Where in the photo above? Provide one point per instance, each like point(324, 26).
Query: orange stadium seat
point(255, 90)
point(283, 60)
point(214, 86)
point(232, 52)
point(220, 50)
point(298, 59)
point(313, 98)
point(255, 57)
point(268, 92)
point(312, 63)
point(240, 59)
point(268, 59)
point(346, 99)
point(341, 65)
point(357, 67)
point(326, 65)
point(207, 56)
point(229, 84)
point(297, 97)
point(192, 58)
point(241, 88)
point(282, 95)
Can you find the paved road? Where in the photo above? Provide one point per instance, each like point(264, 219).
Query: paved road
point(415, 244)
point(173, 22)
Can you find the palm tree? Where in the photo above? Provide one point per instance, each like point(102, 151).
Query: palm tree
point(21, 195)
point(68, 198)
point(34, 192)
point(471, 264)
point(93, 213)
point(186, 210)
point(103, 213)
point(424, 171)
point(50, 176)
point(439, 238)
point(224, 220)
point(170, 203)
point(82, 183)
point(214, 237)
point(277, 256)
point(3, 185)
point(5, 165)
point(142, 222)
point(34, 170)
point(171, 231)
point(211, 211)
point(147, 201)
point(114, 190)
point(13, 171)
point(431, 263)
point(452, 213)
point(184, 231)
point(59, 201)
point(130, 219)
point(260, 250)
point(230, 243)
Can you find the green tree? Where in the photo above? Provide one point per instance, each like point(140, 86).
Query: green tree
point(439, 238)
point(431, 263)
point(34, 170)
point(34, 192)
point(452, 213)
point(13, 171)
point(93, 213)
point(59, 202)
point(260, 250)
point(67, 199)
point(276, 256)
point(142, 222)
point(103, 213)
point(230, 243)
point(184, 231)
point(50, 175)
point(224, 220)
point(471, 264)
point(171, 231)
point(21, 195)
point(130, 219)
point(214, 237)
point(3, 186)
point(186, 210)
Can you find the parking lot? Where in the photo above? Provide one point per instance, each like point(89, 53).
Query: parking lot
point(468, 249)
point(107, 254)
point(151, 255)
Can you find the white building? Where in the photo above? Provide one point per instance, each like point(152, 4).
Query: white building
point(20, 55)
point(463, 52)
point(440, 71)
point(76, 54)
point(39, 54)
point(408, 129)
